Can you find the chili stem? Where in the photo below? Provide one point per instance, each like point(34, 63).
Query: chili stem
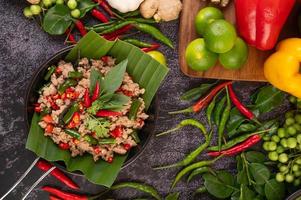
point(187, 110)
point(169, 131)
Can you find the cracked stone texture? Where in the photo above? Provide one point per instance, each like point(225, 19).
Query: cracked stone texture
point(24, 47)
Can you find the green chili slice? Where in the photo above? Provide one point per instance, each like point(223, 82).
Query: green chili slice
point(68, 116)
point(68, 83)
point(73, 133)
point(134, 109)
point(135, 136)
point(51, 70)
point(90, 139)
point(107, 141)
point(75, 74)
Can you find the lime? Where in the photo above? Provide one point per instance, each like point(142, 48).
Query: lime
point(220, 36)
point(206, 16)
point(198, 57)
point(157, 55)
point(236, 57)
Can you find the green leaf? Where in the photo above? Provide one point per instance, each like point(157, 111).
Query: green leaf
point(196, 93)
point(248, 127)
point(117, 102)
point(242, 177)
point(272, 124)
point(269, 98)
point(259, 172)
point(99, 126)
point(173, 196)
point(95, 77)
point(113, 80)
point(259, 189)
point(274, 190)
point(57, 20)
point(220, 186)
point(85, 6)
point(47, 149)
point(255, 157)
point(246, 193)
point(239, 163)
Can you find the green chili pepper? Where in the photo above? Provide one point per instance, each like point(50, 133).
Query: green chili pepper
point(218, 110)
point(135, 136)
point(116, 27)
point(68, 116)
point(90, 139)
point(186, 122)
point(107, 141)
point(73, 133)
point(99, 29)
point(131, 14)
point(200, 190)
point(137, 43)
point(68, 83)
point(237, 140)
point(134, 109)
point(197, 171)
point(209, 111)
point(51, 70)
point(224, 119)
point(138, 186)
point(153, 31)
point(192, 167)
point(142, 20)
point(75, 74)
point(192, 156)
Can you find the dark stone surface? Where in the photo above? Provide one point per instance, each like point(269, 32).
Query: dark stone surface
point(23, 48)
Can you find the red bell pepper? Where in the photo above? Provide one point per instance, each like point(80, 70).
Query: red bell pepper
point(260, 22)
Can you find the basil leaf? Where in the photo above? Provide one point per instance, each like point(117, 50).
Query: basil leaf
point(255, 157)
point(242, 177)
point(269, 98)
point(274, 190)
point(239, 163)
point(220, 186)
point(85, 6)
point(57, 20)
point(259, 172)
point(196, 93)
point(114, 77)
point(235, 195)
point(173, 196)
point(95, 76)
point(246, 128)
point(246, 193)
point(117, 102)
point(272, 124)
point(259, 189)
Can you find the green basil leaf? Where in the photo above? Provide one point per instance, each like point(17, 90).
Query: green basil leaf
point(95, 76)
point(173, 196)
point(235, 195)
point(57, 20)
point(260, 173)
point(274, 190)
point(272, 124)
point(117, 102)
point(85, 6)
point(242, 177)
point(246, 193)
point(246, 128)
point(196, 93)
point(259, 189)
point(255, 157)
point(269, 98)
point(113, 79)
point(239, 163)
point(220, 186)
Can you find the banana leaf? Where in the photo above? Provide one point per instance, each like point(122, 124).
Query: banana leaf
point(144, 70)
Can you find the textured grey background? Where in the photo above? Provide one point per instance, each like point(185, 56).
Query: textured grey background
point(23, 47)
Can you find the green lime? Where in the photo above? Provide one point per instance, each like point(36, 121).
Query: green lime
point(236, 57)
point(198, 57)
point(220, 36)
point(27, 12)
point(205, 17)
point(157, 55)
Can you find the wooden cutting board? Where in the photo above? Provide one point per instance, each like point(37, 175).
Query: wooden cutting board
point(251, 71)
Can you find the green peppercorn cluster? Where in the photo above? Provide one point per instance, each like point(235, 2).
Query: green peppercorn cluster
point(36, 9)
point(284, 146)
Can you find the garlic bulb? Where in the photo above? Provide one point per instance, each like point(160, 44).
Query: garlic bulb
point(125, 6)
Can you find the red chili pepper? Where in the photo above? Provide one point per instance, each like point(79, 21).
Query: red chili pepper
point(37, 108)
point(64, 146)
point(75, 121)
point(153, 47)
point(105, 59)
point(54, 106)
point(204, 101)
point(70, 36)
point(54, 198)
point(117, 33)
point(98, 15)
point(95, 92)
point(71, 93)
point(107, 113)
point(244, 110)
point(127, 146)
point(251, 141)
point(87, 100)
point(48, 119)
point(58, 70)
point(80, 27)
point(260, 21)
point(64, 195)
point(110, 160)
point(117, 132)
point(57, 173)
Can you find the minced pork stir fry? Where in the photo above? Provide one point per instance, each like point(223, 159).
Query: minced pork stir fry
point(93, 106)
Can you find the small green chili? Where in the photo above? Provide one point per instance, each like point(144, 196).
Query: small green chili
point(90, 139)
point(73, 133)
point(134, 109)
point(218, 110)
point(142, 20)
point(209, 111)
point(68, 116)
point(116, 27)
point(197, 171)
point(135, 136)
point(68, 83)
point(137, 43)
point(138, 186)
point(51, 70)
point(224, 119)
point(107, 141)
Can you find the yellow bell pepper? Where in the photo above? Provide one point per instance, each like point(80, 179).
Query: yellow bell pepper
point(282, 69)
